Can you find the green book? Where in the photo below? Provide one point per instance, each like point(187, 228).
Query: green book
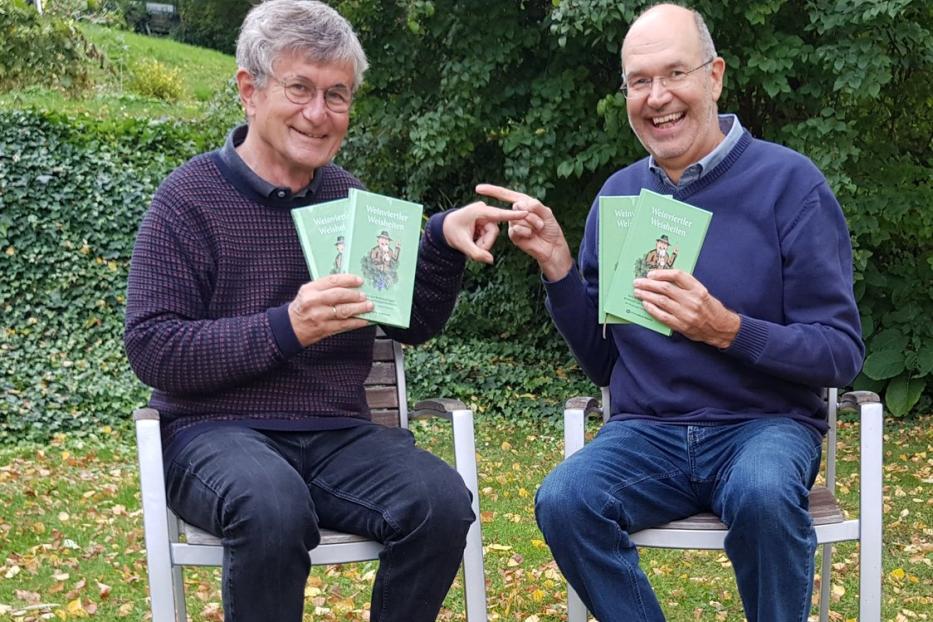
point(382, 247)
point(664, 233)
point(322, 229)
point(615, 216)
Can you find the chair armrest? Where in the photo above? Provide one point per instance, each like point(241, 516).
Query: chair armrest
point(461, 419)
point(589, 405)
point(436, 407)
point(854, 400)
point(145, 414)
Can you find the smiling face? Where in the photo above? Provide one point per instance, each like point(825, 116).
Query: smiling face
point(679, 125)
point(286, 142)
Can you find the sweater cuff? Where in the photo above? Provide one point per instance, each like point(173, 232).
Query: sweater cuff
point(282, 330)
point(565, 292)
point(750, 342)
point(434, 232)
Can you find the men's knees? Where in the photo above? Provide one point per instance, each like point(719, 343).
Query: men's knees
point(561, 501)
point(443, 514)
point(767, 504)
point(273, 515)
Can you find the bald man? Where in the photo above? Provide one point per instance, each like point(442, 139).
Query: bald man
point(726, 414)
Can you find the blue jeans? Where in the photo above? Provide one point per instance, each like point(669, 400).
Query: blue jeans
point(755, 476)
point(267, 494)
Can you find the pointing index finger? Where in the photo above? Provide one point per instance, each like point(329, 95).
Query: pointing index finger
point(498, 192)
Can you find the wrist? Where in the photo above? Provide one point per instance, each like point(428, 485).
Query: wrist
point(727, 330)
point(557, 265)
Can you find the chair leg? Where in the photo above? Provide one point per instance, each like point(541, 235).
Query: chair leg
point(870, 512)
point(825, 582)
point(178, 575)
point(178, 589)
point(576, 610)
point(156, 524)
point(474, 580)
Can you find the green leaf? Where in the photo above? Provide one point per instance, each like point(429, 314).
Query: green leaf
point(902, 394)
point(884, 364)
point(925, 359)
point(889, 339)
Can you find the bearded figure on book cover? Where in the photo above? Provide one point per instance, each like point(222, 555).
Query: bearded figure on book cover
point(381, 265)
point(661, 257)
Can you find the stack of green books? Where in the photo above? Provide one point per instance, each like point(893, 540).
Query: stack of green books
point(636, 234)
point(370, 235)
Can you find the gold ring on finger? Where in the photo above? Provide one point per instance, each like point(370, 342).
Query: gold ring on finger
point(336, 315)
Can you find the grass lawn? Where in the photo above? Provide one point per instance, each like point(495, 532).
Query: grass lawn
point(71, 542)
point(201, 74)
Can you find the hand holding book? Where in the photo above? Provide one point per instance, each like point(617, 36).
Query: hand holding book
point(328, 306)
point(687, 308)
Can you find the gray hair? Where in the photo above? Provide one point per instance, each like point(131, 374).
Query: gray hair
point(707, 47)
point(306, 27)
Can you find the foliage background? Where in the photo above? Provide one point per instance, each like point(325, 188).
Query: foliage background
point(520, 93)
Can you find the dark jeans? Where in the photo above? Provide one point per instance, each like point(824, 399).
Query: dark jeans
point(267, 494)
point(755, 476)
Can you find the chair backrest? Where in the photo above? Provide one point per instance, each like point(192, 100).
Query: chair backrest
point(385, 386)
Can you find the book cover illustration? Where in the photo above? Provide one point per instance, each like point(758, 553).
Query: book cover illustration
point(381, 245)
point(322, 229)
point(615, 216)
point(663, 234)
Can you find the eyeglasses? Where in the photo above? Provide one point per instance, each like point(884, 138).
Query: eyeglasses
point(298, 91)
point(640, 87)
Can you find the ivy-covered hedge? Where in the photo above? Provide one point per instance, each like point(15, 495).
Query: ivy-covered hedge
point(72, 192)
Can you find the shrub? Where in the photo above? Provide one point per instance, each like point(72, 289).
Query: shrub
point(151, 78)
point(47, 50)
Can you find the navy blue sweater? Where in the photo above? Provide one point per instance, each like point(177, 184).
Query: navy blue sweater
point(213, 270)
point(778, 253)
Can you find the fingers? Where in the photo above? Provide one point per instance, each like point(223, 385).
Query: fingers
point(520, 232)
point(487, 236)
point(478, 249)
point(532, 218)
point(319, 302)
point(334, 281)
point(489, 214)
point(500, 193)
point(677, 277)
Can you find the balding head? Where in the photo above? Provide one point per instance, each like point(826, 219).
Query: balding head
point(677, 20)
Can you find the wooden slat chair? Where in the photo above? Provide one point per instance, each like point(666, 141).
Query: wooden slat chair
point(171, 544)
point(705, 531)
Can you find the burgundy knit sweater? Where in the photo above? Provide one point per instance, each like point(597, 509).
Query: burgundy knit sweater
point(213, 270)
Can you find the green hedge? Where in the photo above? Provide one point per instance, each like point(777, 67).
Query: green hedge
point(72, 191)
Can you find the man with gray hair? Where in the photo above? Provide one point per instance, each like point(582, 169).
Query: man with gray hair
point(258, 374)
point(726, 414)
